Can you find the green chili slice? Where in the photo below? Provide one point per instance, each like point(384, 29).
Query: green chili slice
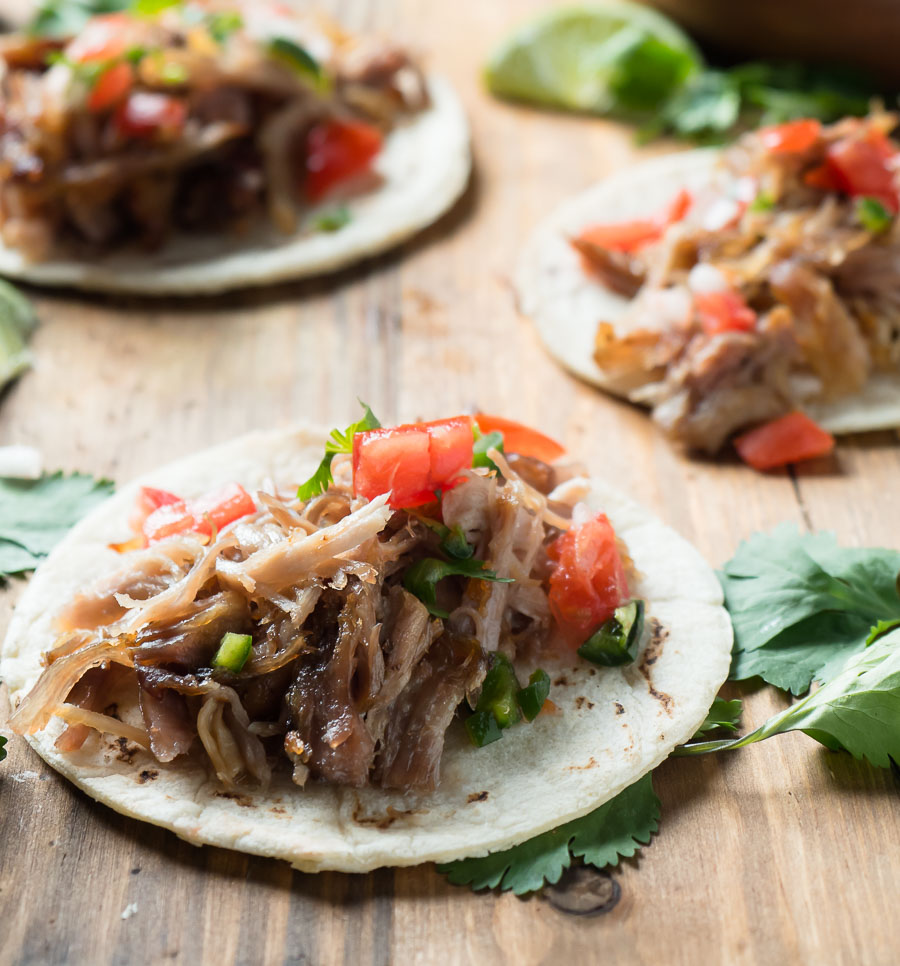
point(531, 698)
point(498, 693)
point(617, 641)
point(483, 729)
point(234, 649)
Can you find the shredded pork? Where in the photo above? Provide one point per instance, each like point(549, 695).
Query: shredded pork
point(351, 679)
point(823, 288)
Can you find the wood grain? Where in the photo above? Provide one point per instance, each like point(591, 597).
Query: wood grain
point(780, 854)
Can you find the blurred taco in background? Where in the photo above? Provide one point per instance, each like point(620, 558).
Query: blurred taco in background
point(209, 144)
point(752, 292)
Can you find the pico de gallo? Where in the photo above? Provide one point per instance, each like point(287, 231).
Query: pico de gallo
point(190, 115)
point(425, 574)
point(769, 292)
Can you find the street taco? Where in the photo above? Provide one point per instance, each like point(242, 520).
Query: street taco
point(728, 289)
point(216, 144)
point(438, 646)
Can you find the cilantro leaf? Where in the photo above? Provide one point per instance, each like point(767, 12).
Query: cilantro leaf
point(36, 514)
point(17, 320)
point(64, 17)
point(421, 579)
point(858, 710)
point(722, 714)
point(484, 442)
point(800, 604)
point(338, 442)
point(615, 830)
point(333, 220)
point(873, 215)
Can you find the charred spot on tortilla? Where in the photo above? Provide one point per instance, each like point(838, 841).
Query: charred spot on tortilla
point(125, 750)
point(386, 819)
point(147, 775)
point(658, 637)
point(318, 587)
point(619, 707)
point(245, 801)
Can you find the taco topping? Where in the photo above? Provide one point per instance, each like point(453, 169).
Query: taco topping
point(199, 115)
point(338, 633)
point(777, 288)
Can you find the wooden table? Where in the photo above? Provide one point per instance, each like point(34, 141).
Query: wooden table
point(783, 853)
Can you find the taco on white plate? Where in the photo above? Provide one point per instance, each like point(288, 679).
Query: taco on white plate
point(756, 288)
point(215, 144)
point(445, 642)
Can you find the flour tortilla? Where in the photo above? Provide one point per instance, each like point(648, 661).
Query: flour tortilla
point(566, 305)
point(425, 164)
point(615, 725)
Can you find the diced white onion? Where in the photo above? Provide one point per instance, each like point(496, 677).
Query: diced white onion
point(704, 277)
point(20, 462)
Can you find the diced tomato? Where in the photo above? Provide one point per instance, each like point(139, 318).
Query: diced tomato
point(102, 38)
point(337, 151)
point(678, 207)
point(212, 511)
point(111, 87)
point(145, 114)
point(788, 439)
point(863, 165)
point(821, 177)
point(149, 499)
point(521, 439)
point(724, 311)
point(588, 582)
point(411, 462)
point(794, 137)
point(630, 236)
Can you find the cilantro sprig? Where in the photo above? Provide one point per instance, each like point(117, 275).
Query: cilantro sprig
point(338, 442)
point(36, 514)
point(422, 578)
point(722, 716)
point(857, 711)
point(801, 605)
point(614, 831)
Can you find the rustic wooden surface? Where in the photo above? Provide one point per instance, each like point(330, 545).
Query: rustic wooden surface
point(782, 853)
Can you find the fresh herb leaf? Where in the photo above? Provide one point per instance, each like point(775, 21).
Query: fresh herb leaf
point(880, 629)
point(422, 578)
point(873, 216)
point(58, 18)
point(858, 710)
point(484, 442)
point(222, 25)
point(801, 605)
point(338, 442)
point(333, 220)
point(644, 70)
point(722, 714)
point(613, 831)
point(150, 8)
point(299, 59)
point(17, 320)
point(36, 514)
point(761, 203)
point(453, 540)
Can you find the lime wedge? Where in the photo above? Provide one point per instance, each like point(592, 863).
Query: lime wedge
point(602, 58)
